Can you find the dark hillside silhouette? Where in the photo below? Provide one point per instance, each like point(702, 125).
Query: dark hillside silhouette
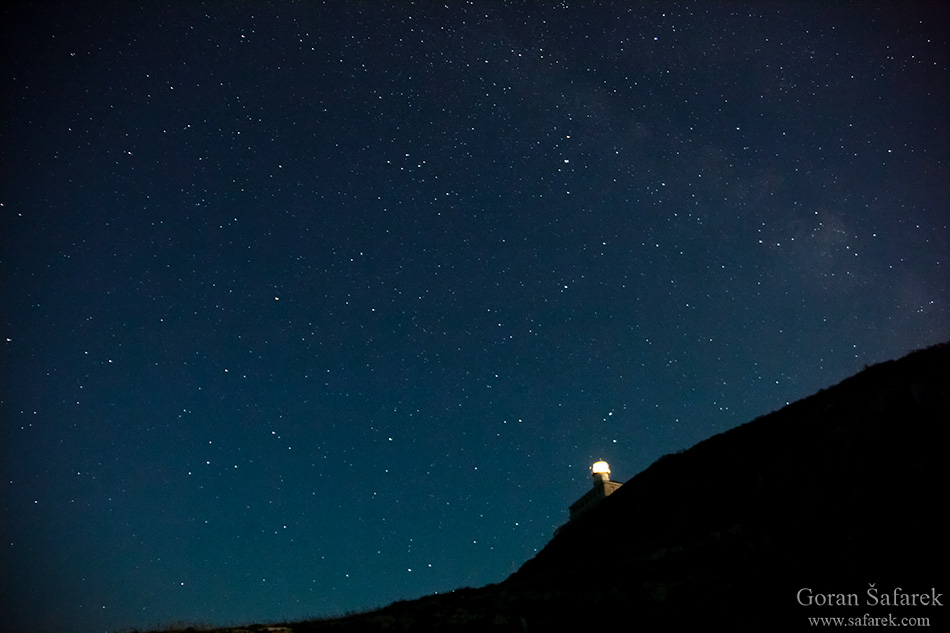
point(833, 492)
point(837, 491)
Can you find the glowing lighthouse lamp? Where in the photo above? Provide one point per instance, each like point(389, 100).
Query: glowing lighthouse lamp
point(601, 471)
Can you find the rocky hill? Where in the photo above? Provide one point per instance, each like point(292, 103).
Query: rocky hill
point(834, 506)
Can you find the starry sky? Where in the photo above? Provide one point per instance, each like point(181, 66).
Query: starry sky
point(310, 307)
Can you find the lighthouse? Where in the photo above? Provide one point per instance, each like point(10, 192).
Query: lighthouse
point(603, 487)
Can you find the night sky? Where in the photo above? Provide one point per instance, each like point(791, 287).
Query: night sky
point(308, 307)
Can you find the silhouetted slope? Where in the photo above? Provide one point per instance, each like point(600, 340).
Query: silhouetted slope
point(836, 491)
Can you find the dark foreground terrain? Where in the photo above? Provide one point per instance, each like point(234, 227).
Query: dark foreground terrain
point(834, 506)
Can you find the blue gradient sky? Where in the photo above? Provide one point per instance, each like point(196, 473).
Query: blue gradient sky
point(312, 307)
